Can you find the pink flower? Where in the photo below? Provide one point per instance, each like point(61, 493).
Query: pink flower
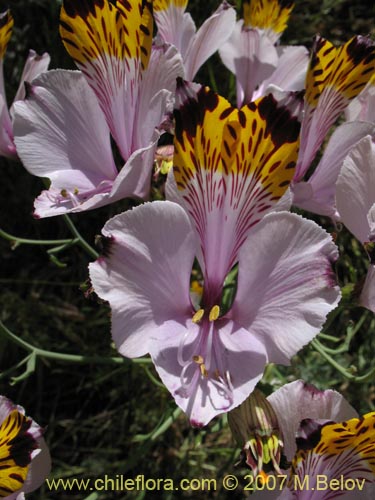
point(230, 168)
point(64, 127)
point(34, 65)
point(177, 27)
point(251, 54)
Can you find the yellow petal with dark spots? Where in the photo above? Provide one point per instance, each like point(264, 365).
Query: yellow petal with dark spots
point(16, 446)
point(6, 26)
point(342, 449)
point(259, 140)
point(347, 69)
point(95, 28)
point(198, 135)
point(267, 14)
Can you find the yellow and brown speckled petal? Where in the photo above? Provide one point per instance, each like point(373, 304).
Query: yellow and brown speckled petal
point(335, 76)
point(6, 26)
point(165, 4)
point(111, 44)
point(345, 449)
point(16, 447)
point(91, 29)
point(321, 61)
point(270, 15)
point(347, 69)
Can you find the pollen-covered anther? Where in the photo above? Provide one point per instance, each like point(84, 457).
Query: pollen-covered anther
point(214, 313)
point(75, 190)
point(200, 361)
point(64, 193)
point(198, 316)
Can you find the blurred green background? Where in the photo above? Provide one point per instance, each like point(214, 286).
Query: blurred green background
point(98, 416)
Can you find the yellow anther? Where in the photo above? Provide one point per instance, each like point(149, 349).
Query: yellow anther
point(203, 370)
point(214, 313)
point(198, 316)
point(64, 193)
point(76, 191)
point(198, 359)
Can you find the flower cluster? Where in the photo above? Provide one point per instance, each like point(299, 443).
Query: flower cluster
point(221, 277)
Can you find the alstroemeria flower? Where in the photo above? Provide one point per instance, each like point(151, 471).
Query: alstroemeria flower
point(230, 167)
point(266, 428)
point(177, 27)
point(355, 200)
point(324, 441)
point(335, 76)
point(251, 55)
point(34, 65)
point(63, 130)
point(24, 456)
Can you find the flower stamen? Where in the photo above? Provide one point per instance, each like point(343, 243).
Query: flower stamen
point(198, 316)
point(214, 313)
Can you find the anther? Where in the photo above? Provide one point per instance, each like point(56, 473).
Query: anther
point(64, 193)
point(198, 359)
point(198, 316)
point(214, 313)
point(203, 370)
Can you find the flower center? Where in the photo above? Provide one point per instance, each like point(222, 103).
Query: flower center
point(205, 362)
point(76, 197)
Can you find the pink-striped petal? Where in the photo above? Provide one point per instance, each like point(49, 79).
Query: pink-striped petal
point(231, 167)
point(284, 299)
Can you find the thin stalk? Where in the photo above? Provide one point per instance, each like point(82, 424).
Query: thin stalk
point(81, 241)
point(27, 241)
point(362, 378)
point(71, 358)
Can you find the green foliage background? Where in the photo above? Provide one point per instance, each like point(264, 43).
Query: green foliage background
point(98, 416)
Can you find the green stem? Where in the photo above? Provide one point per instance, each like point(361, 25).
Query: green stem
point(71, 358)
point(362, 378)
point(26, 241)
point(81, 241)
